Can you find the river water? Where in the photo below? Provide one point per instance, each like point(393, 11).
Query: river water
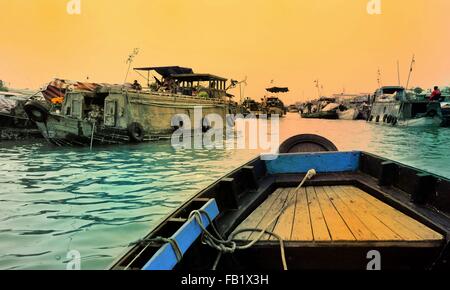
point(54, 200)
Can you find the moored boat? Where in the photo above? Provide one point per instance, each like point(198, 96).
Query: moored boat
point(331, 115)
point(91, 113)
point(392, 106)
point(14, 123)
point(273, 105)
point(348, 113)
point(309, 207)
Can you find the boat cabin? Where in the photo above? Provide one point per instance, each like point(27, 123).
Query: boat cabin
point(391, 93)
point(180, 80)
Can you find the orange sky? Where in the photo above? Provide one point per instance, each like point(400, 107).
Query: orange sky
point(290, 41)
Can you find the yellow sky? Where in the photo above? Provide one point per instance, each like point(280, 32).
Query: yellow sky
point(290, 41)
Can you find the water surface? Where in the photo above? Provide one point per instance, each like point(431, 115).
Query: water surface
point(53, 200)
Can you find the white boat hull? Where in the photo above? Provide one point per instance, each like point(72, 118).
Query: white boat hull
point(350, 114)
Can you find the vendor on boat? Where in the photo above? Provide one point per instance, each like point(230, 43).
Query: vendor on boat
point(436, 95)
point(136, 86)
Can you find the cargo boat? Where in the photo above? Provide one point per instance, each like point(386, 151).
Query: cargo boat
point(118, 114)
point(310, 208)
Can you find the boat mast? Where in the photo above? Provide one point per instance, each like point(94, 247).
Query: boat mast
point(130, 61)
point(398, 72)
point(318, 87)
point(379, 78)
point(413, 61)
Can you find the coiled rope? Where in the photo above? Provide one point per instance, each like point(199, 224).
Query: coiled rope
point(230, 245)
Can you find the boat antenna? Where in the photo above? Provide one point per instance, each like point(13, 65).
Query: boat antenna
point(130, 61)
point(413, 61)
point(379, 78)
point(317, 86)
point(398, 72)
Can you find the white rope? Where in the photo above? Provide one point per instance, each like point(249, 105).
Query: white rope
point(230, 245)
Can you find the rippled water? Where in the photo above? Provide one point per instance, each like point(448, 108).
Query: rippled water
point(53, 200)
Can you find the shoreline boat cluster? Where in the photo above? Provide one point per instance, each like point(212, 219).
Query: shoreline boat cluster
point(389, 105)
point(83, 114)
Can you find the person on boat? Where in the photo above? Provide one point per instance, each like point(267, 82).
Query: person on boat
point(436, 95)
point(136, 86)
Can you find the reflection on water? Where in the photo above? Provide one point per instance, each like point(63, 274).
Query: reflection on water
point(53, 200)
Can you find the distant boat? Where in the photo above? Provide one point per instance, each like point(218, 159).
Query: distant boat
point(348, 114)
point(274, 105)
point(333, 111)
point(14, 122)
point(392, 106)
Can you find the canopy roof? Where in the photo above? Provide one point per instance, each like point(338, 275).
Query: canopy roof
point(277, 90)
point(191, 77)
point(167, 71)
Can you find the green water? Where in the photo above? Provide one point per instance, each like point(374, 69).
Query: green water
point(53, 200)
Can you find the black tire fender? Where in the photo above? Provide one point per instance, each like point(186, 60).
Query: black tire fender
point(36, 112)
point(394, 121)
point(136, 132)
point(307, 143)
point(206, 125)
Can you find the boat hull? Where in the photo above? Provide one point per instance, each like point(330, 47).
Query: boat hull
point(386, 190)
point(156, 115)
point(350, 114)
point(321, 115)
point(408, 114)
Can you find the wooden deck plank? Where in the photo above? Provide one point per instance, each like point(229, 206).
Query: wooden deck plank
point(254, 219)
point(421, 232)
point(285, 223)
point(357, 227)
point(319, 226)
point(366, 215)
point(275, 210)
point(302, 228)
point(335, 213)
point(385, 215)
point(337, 227)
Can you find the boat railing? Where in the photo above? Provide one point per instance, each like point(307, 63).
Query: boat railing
point(179, 96)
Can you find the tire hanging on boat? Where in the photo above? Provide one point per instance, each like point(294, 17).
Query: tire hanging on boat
point(394, 121)
point(136, 132)
point(307, 143)
point(36, 112)
point(206, 125)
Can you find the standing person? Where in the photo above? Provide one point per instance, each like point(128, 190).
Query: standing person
point(436, 95)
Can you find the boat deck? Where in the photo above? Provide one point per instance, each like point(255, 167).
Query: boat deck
point(336, 214)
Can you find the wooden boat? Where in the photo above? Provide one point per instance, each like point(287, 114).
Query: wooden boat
point(92, 113)
point(273, 105)
point(14, 123)
point(331, 115)
point(356, 206)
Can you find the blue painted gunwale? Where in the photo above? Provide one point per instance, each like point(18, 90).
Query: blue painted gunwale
point(329, 162)
point(165, 258)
